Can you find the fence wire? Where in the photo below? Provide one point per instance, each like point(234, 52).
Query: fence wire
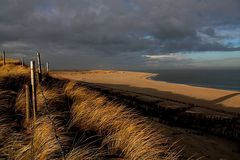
point(47, 113)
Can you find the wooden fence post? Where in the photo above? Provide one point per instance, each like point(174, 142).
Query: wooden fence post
point(39, 67)
point(47, 67)
point(27, 92)
point(22, 60)
point(4, 58)
point(33, 84)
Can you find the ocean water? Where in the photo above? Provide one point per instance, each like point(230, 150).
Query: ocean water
point(221, 79)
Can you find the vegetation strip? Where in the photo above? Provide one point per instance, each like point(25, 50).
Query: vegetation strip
point(71, 110)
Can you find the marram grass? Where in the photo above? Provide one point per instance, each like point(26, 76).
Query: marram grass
point(124, 133)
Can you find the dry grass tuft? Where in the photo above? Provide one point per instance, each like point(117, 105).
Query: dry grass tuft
point(43, 145)
point(13, 70)
point(49, 140)
point(53, 98)
point(10, 61)
point(125, 132)
point(8, 119)
point(15, 144)
point(83, 153)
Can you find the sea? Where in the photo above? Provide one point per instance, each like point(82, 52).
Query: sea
point(220, 79)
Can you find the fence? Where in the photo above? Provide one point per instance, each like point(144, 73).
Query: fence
point(31, 98)
point(23, 61)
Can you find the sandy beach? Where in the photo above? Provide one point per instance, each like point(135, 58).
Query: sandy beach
point(141, 83)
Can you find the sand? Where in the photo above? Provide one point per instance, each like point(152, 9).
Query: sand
point(141, 83)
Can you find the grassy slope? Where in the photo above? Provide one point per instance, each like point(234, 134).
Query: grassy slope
point(72, 121)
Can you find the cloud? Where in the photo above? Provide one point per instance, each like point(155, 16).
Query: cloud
point(166, 61)
point(214, 64)
point(167, 57)
point(104, 32)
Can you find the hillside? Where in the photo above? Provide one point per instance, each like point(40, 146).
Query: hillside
point(77, 120)
point(73, 122)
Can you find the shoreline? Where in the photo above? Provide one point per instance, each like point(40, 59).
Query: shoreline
point(143, 83)
point(191, 85)
point(151, 76)
point(156, 77)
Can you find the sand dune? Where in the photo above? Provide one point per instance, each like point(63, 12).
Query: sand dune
point(141, 83)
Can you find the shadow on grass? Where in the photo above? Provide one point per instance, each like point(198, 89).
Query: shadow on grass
point(164, 95)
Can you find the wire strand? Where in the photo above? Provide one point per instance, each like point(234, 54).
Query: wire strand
point(52, 123)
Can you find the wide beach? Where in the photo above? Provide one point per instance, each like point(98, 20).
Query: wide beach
point(141, 83)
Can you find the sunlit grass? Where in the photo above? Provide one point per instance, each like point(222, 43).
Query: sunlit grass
point(12, 68)
point(124, 133)
point(45, 97)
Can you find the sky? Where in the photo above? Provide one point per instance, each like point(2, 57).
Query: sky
point(123, 34)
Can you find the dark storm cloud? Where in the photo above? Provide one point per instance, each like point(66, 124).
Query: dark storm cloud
point(97, 32)
point(209, 31)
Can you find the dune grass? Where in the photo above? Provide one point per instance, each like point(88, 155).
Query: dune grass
point(9, 119)
point(10, 61)
point(126, 133)
point(40, 142)
point(6, 117)
point(13, 68)
point(72, 112)
point(53, 97)
point(46, 143)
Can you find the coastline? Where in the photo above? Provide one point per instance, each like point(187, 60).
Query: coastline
point(218, 79)
point(143, 83)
